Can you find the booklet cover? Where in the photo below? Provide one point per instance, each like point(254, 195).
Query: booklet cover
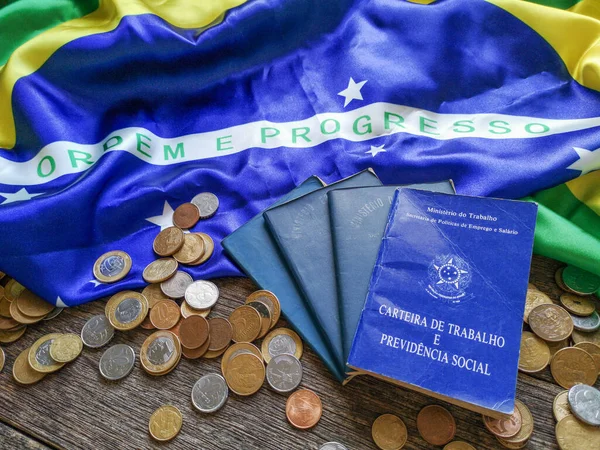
point(444, 311)
point(254, 250)
point(302, 231)
point(358, 217)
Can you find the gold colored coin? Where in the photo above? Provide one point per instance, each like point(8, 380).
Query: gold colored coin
point(12, 290)
point(21, 318)
point(2, 275)
point(165, 423)
point(168, 242)
point(580, 336)
point(153, 294)
point(556, 346)
point(2, 358)
point(531, 286)
point(510, 446)
point(560, 406)
point(209, 248)
point(534, 298)
point(389, 432)
point(22, 371)
point(126, 310)
point(160, 270)
point(192, 250)
point(6, 337)
point(571, 434)
point(534, 355)
point(187, 311)
point(5, 308)
point(160, 352)
point(246, 323)
point(592, 349)
point(265, 317)
point(33, 305)
point(270, 300)
point(245, 374)
point(526, 425)
point(281, 340)
point(214, 354)
point(39, 355)
point(236, 349)
point(113, 266)
point(571, 366)
point(458, 445)
point(575, 304)
point(66, 348)
point(551, 322)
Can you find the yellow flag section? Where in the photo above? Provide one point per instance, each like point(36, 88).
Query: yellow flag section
point(30, 56)
point(573, 33)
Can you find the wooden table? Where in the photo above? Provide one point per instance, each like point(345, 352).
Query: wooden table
point(77, 409)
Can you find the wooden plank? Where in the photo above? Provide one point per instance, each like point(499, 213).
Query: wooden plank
point(76, 408)
point(12, 439)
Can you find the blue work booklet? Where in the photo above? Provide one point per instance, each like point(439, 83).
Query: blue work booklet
point(444, 311)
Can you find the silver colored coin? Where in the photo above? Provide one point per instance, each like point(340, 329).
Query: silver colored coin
point(284, 373)
point(111, 266)
point(42, 355)
point(585, 403)
point(207, 203)
point(161, 350)
point(282, 344)
point(97, 332)
point(175, 286)
point(128, 310)
point(586, 324)
point(210, 393)
point(202, 294)
point(333, 446)
point(117, 362)
point(55, 312)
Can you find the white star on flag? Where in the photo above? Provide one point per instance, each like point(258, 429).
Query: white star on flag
point(18, 196)
point(375, 150)
point(60, 303)
point(588, 160)
point(352, 92)
point(96, 283)
point(165, 220)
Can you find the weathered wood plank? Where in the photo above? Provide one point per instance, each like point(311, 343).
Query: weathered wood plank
point(76, 408)
point(11, 439)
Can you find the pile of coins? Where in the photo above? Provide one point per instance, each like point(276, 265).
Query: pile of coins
point(19, 308)
point(48, 354)
point(577, 413)
point(435, 424)
point(513, 431)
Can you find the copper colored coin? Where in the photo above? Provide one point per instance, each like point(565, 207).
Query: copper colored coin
point(186, 215)
point(165, 314)
point(147, 324)
point(221, 332)
point(197, 352)
point(212, 355)
point(168, 241)
point(193, 332)
point(436, 425)
point(303, 409)
point(506, 427)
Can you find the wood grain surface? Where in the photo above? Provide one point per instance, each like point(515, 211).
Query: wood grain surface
point(77, 409)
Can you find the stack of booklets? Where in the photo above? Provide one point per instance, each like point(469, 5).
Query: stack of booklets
point(411, 284)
